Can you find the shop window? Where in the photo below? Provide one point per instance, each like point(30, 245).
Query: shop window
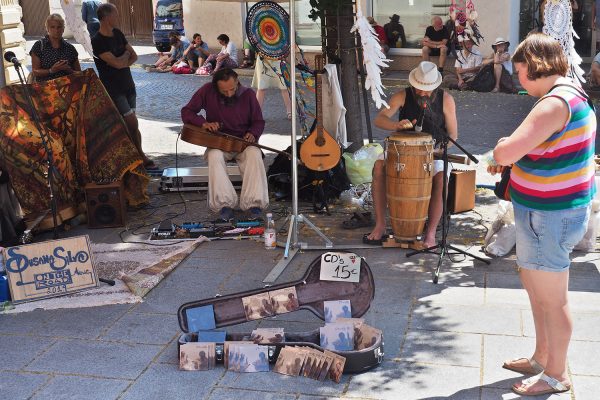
point(415, 16)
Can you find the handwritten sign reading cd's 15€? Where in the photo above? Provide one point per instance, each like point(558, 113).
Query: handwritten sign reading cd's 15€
point(344, 267)
point(49, 269)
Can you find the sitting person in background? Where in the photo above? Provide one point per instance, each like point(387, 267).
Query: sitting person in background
point(197, 52)
point(380, 34)
point(435, 42)
point(51, 56)
point(178, 45)
point(502, 65)
point(227, 57)
point(593, 76)
point(468, 63)
point(394, 31)
point(249, 55)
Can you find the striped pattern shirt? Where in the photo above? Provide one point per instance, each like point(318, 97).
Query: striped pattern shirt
point(559, 173)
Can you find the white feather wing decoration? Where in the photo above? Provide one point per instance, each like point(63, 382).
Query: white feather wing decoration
point(373, 58)
point(76, 25)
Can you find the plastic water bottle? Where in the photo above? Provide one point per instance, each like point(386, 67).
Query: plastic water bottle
point(270, 235)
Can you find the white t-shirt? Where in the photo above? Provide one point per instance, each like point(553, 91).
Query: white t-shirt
point(468, 59)
point(229, 49)
point(508, 66)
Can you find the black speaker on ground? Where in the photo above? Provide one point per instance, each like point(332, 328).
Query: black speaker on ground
point(105, 205)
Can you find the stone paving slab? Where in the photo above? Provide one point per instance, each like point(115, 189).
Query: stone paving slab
point(507, 394)
point(165, 381)
point(444, 348)
point(100, 359)
point(228, 394)
point(81, 323)
point(406, 380)
point(20, 386)
point(479, 319)
point(584, 358)
point(80, 387)
point(586, 387)
point(18, 351)
point(276, 382)
point(143, 328)
point(585, 326)
point(496, 350)
point(23, 323)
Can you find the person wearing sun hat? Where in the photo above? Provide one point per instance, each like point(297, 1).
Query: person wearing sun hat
point(424, 104)
point(502, 65)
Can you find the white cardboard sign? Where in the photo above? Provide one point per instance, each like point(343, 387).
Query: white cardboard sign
point(343, 267)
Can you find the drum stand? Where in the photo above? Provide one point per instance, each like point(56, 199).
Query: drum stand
point(443, 247)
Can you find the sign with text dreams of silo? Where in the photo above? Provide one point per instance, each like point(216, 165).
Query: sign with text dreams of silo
point(49, 269)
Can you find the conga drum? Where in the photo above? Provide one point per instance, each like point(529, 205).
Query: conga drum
point(409, 171)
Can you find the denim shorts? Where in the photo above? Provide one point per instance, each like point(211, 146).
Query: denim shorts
point(546, 238)
point(125, 102)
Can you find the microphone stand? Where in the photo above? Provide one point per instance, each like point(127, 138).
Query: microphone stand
point(45, 142)
point(443, 245)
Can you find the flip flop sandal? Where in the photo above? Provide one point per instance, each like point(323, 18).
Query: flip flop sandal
point(358, 220)
point(533, 368)
point(374, 242)
point(555, 386)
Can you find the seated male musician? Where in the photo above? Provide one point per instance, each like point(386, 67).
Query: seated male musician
point(421, 104)
point(232, 109)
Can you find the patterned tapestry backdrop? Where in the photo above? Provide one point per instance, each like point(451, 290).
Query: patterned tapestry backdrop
point(88, 138)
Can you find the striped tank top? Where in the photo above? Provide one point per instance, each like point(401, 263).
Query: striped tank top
point(559, 173)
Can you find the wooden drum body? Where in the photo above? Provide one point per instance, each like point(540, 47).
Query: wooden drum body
point(409, 171)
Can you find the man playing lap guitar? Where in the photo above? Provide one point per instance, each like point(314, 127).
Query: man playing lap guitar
point(232, 109)
point(424, 105)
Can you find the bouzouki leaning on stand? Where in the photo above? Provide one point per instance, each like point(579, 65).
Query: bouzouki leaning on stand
point(320, 151)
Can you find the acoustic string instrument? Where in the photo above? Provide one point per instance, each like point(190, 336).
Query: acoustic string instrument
point(220, 140)
point(320, 151)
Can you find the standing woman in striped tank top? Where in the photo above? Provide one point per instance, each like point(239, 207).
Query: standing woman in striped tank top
point(551, 187)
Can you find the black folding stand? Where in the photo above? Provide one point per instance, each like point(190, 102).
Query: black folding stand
point(442, 247)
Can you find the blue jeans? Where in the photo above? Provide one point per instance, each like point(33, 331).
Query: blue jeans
point(546, 238)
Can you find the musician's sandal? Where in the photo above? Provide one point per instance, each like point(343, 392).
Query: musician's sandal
point(549, 386)
point(524, 365)
point(255, 214)
point(373, 242)
point(358, 220)
point(226, 214)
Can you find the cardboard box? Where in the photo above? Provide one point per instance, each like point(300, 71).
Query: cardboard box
point(461, 191)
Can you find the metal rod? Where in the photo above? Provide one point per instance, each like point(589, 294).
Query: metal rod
point(294, 231)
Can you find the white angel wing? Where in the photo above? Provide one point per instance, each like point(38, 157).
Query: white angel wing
point(76, 25)
point(373, 58)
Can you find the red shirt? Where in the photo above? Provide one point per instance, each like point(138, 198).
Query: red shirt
point(380, 34)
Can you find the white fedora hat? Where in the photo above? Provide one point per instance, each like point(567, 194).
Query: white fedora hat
point(500, 40)
point(425, 76)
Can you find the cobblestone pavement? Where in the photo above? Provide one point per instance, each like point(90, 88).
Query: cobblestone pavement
point(482, 117)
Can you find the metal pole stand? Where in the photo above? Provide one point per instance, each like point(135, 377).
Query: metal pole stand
point(443, 245)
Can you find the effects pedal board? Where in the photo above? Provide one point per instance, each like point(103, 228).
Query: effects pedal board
point(192, 230)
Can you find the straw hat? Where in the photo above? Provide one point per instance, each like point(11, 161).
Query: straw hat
point(425, 76)
point(500, 40)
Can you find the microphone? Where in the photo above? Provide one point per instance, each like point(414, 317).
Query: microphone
point(419, 126)
point(11, 57)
